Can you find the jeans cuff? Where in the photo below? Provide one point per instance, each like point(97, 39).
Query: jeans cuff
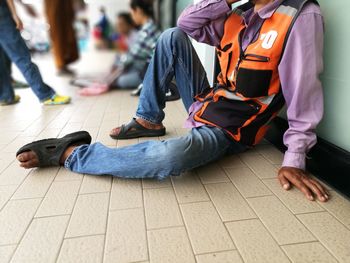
point(48, 97)
point(68, 161)
point(148, 119)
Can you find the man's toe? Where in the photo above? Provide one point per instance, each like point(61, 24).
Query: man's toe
point(23, 157)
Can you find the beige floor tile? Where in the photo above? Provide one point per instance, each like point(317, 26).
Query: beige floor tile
point(13, 174)
point(6, 160)
point(161, 208)
point(89, 216)
point(7, 137)
point(206, 231)
point(126, 194)
point(126, 236)
point(124, 143)
point(260, 166)
point(82, 249)
point(254, 242)
point(232, 161)
point(231, 256)
point(104, 138)
point(5, 194)
point(154, 183)
point(212, 173)
point(15, 218)
point(308, 253)
point(13, 147)
point(247, 182)
point(48, 133)
point(339, 207)
point(293, 199)
point(229, 202)
point(332, 234)
point(95, 184)
point(66, 175)
point(271, 153)
point(42, 240)
point(36, 184)
point(170, 245)
point(281, 223)
point(188, 188)
point(60, 199)
point(6, 253)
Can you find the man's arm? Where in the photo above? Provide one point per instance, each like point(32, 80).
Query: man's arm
point(299, 71)
point(205, 20)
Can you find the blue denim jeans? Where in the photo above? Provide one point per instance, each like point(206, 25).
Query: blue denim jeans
point(130, 79)
point(12, 44)
point(174, 57)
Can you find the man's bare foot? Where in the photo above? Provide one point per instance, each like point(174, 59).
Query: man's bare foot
point(144, 123)
point(30, 159)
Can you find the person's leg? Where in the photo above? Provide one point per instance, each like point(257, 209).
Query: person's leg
point(174, 57)
point(6, 90)
point(128, 80)
point(15, 47)
point(153, 159)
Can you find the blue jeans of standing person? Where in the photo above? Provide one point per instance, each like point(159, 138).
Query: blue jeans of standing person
point(13, 45)
point(174, 56)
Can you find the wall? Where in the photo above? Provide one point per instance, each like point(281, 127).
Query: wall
point(335, 126)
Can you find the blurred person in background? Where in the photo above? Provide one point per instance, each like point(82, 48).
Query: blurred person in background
point(128, 71)
point(126, 32)
point(102, 30)
point(60, 16)
point(16, 84)
point(13, 46)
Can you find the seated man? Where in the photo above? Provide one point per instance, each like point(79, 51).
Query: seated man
point(270, 52)
point(128, 71)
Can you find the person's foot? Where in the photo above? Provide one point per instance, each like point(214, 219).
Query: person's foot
point(144, 123)
point(57, 100)
point(30, 160)
point(15, 100)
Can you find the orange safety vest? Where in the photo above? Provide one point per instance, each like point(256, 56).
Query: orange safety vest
point(248, 94)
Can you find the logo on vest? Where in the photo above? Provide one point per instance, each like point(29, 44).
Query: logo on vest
point(268, 39)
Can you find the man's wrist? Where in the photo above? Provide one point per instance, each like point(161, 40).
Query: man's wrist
point(294, 159)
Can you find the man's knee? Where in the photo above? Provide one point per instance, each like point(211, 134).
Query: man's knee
point(173, 35)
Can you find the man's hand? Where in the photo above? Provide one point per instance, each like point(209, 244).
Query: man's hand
point(289, 176)
point(18, 22)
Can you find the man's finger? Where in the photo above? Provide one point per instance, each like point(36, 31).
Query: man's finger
point(284, 182)
point(321, 188)
point(314, 189)
point(296, 180)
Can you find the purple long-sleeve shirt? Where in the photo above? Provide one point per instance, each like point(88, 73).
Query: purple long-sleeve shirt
point(299, 70)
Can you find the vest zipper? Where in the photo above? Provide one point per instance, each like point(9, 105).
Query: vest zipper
point(241, 53)
point(256, 58)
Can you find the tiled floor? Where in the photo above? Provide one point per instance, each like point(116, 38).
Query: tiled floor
point(230, 211)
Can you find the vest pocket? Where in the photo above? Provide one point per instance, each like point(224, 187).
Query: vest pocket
point(230, 114)
point(252, 83)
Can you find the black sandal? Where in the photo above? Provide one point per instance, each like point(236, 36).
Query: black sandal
point(49, 151)
point(134, 130)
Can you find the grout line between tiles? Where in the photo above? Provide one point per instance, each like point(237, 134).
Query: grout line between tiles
point(70, 217)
